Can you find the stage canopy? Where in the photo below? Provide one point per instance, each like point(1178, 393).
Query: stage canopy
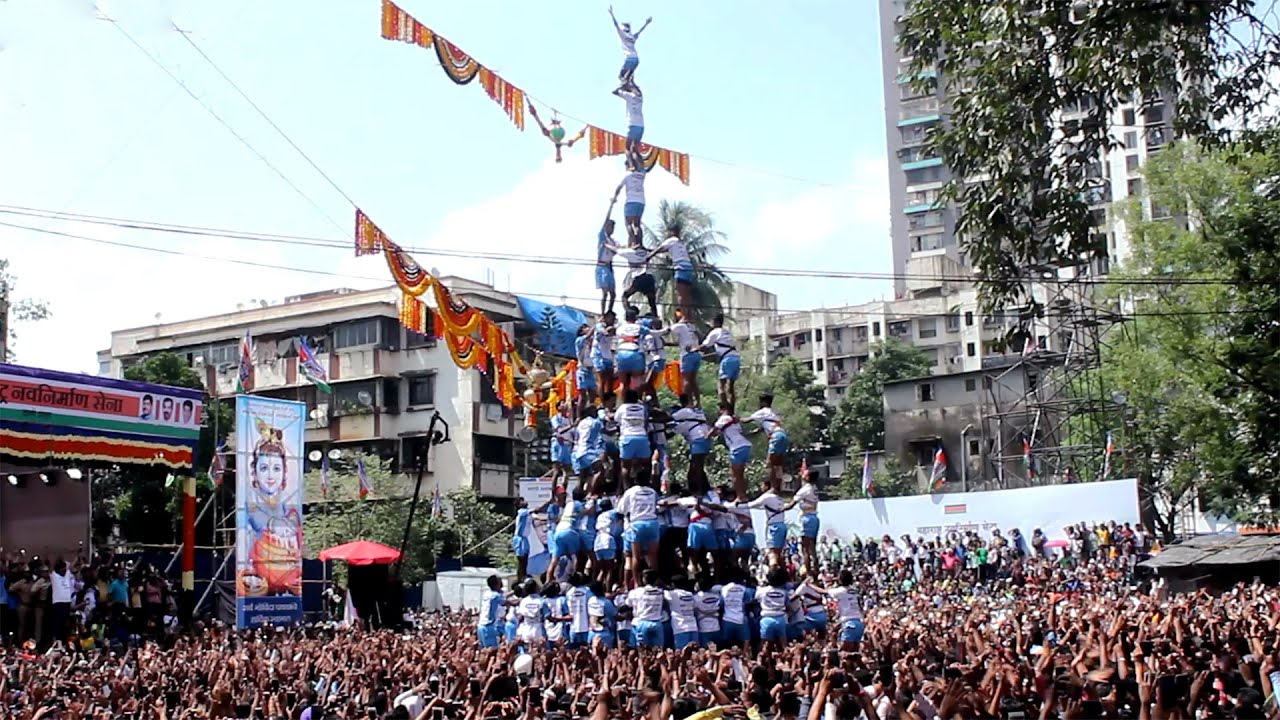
point(362, 552)
point(46, 414)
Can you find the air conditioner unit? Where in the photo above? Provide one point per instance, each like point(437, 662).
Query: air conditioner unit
point(956, 360)
point(197, 362)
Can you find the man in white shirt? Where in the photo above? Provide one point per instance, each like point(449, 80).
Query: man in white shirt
point(682, 263)
point(686, 338)
point(646, 603)
point(639, 504)
point(730, 428)
point(630, 60)
point(630, 93)
point(775, 523)
point(633, 208)
point(691, 424)
point(632, 418)
point(806, 498)
point(684, 613)
point(770, 423)
point(62, 590)
point(720, 342)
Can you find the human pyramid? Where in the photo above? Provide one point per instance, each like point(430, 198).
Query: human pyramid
point(624, 514)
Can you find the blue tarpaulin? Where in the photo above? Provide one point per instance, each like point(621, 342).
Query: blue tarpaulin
point(557, 325)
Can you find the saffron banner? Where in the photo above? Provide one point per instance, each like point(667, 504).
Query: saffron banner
point(369, 237)
point(603, 142)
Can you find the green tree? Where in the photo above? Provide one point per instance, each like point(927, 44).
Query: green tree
point(1199, 364)
point(858, 424)
point(136, 499)
point(706, 246)
point(891, 480)
point(1024, 179)
point(26, 310)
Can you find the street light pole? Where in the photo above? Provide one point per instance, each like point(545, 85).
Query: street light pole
point(964, 454)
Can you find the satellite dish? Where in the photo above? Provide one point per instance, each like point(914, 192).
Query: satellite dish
point(526, 434)
point(364, 398)
point(817, 410)
point(335, 454)
point(314, 455)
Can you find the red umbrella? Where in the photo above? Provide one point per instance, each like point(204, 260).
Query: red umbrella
point(362, 552)
point(1057, 544)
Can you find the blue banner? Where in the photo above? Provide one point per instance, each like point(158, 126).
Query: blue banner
point(557, 325)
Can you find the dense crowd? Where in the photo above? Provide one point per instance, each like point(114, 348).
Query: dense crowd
point(1068, 631)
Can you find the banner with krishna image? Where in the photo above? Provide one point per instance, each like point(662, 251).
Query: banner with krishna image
point(269, 438)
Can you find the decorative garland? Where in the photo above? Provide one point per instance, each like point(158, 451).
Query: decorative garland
point(369, 239)
point(459, 66)
point(408, 274)
point(604, 143)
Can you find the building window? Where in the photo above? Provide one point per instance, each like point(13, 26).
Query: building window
point(970, 350)
point(974, 448)
point(224, 354)
point(932, 354)
point(953, 323)
point(925, 391)
point(835, 334)
point(817, 335)
point(970, 384)
point(1131, 139)
point(920, 176)
point(413, 340)
point(1131, 163)
point(991, 322)
point(355, 398)
point(818, 365)
point(968, 318)
point(927, 328)
point(355, 334)
point(860, 333)
point(422, 390)
point(900, 328)
point(922, 243)
point(1128, 119)
point(492, 450)
point(875, 329)
point(413, 451)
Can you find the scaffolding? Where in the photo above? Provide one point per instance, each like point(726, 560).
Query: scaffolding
point(1046, 410)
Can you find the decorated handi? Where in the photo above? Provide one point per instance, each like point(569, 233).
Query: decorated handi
point(555, 132)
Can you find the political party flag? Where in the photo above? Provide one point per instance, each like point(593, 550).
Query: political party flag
point(1106, 457)
point(938, 477)
point(437, 503)
point(311, 368)
point(868, 482)
point(244, 376)
point(324, 476)
point(1027, 459)
point(366, 487)
point(217, 467)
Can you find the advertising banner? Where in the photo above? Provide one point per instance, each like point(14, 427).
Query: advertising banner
point(536, 492)
point(269, 444)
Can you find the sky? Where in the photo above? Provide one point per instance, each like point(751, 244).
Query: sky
point(781, 112)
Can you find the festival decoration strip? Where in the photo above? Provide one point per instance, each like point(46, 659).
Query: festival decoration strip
point(93, 446)
point(461, 68)
point(415, 315)
point(603, 143)
point(369, 237)
point(406, 271)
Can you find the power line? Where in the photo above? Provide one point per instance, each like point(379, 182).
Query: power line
point(839, 312)
point(319, 242)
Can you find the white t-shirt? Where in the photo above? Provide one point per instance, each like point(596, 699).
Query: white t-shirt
point(629, 336)
point(602, 344)
point(653, 345)
point(735, 603)
point(767, 419)
point(708, 607)
point(721, 341)
point(578, 598)
point(690, 506)
point(847, 604)
point(741, 519)
point(675, 247)
point(684, 616)
point(63, 587)
point(686, 336)
point(691, 423)
point(773, 602)
point(646, 603)
point(634, 185)
point(619, 602)
point(595, 613)
point(632, 419)
point(628, 42)
point(731, 429)
point(532, 611)
point(635, 108)
point(639, 503)
point(772, 506)
point(807, 498)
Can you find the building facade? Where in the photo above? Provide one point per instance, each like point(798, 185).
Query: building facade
point(388, 383)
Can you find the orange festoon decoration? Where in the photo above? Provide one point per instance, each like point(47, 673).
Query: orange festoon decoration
point(672, 377)
point(603, 143)
point(369, 239)
point(458, 65)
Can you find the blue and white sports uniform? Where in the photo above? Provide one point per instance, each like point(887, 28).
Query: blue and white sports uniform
point(720, 341)
point(640, 506)
point(815, 612)
point(633, 431)
point(726, 529)
point(771, 424)
point(602, 348)
point(691, 424)
point(730, 428)
point(520, 538)
point(735, 598)
point(577, 599)
point(774, 518)
point(653, 346)
point(621, 601)
point(629, 353)
point(604, 263)
point(680, 259)
point(557, 630)
point(646, 616)
point(635, 114)
point(806, 498)
point(686, 338)
point(565, 541)
point(585, 524)
point(633, 183)
point(584, 377)
point(606, 544)
point(487, 629)
point(744, 537)
point(773, 614)
point(561, 440)
point(702, 531)
point(850, 611)
point(533, 612)
point(588, 444)
point(707, 605)
point(602, 616)
point(684, 618)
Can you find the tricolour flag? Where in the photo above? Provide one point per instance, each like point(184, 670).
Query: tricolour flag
point(868, 482)
point(324, 476)
point(1106, 457)
point(311, 368)
point(244, 375)
point(1027, 459)
point(437, 503)
point(366, 487)
point(938, 476)
point(217, 467)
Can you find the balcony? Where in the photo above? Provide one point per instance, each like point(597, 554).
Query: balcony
point(495, 420)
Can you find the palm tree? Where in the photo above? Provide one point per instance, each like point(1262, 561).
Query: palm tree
point(696, 227)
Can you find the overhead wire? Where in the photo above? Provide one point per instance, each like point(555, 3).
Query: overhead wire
point(839, 312)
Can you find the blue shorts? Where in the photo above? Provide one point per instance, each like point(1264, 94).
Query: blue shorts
point(635, 133)
point(795, 630)
point(730, 367)
point(635, 447)
point(773, 629)
point(585, 379)
point(610, 448)
point(734, 633)
point(624, 637)
point(577, 639)
point(561, 453)
point(604, 553)
point(633, 210)
point(606, 638)
point(777, 536)
point(683, 640)
point(564, 543)
point(488, 635)
point(724, 538)
point(851, 631)
point(520, 546)
point(586, 540)
point(690, 362)
point(647, 633)
point(700, 446)
point(684, 272)
point(630, 361)
point(809, 525)
point(601, 364)
point(740, 455)
point(816, 621)
point(744, 542)
point(511, 631)
point(778, 442)
point(626, 542)
point(583, 463)
point(604, 278)
point(657, 365)
point(631, 62)
point(702, 537)
point(707, 639)
point(644, 533)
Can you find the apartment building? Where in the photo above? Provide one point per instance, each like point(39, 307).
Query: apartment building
point(387, 382)
point(922, 225)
